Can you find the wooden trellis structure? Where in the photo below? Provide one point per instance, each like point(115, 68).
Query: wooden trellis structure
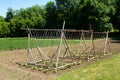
point(64, 51)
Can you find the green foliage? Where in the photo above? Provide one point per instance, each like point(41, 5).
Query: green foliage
point(4, 30)
point(15, 26)
point(50, 15)
point(32, 17)
point(1, 19)
point(9, 15)
point(65, 10)
point(97, 14)
point(115, 19)
point(103, 15)
point(79, 14)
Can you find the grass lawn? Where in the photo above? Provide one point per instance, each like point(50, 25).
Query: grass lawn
point(107, 69)
point(13, 43)
point(22, 43)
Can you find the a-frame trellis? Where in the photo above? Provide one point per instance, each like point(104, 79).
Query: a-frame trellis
point(63, 53)
point(56, 58)
point(31, 53)
point(68, 52)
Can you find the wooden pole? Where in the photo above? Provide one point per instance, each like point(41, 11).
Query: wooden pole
point(62, 33)
point(29, 50)
point(92, 39)
point(109, 44)
point(106, 42)
point(42, 54)
point(83, 41)
point(92, 47)
point(69, 50)
point(28, 47)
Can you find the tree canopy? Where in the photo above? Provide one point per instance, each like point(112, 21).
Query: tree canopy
point(102, 15)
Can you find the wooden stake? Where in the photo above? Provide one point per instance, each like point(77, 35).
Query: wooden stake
point(83, 41)
point(69, 50)
point(92, 47)
point(60, 44)
point(28, 46)
point(106, 42)
point(67, 65)
point(29, 51)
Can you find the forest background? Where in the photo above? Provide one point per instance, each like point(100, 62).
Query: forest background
point(102, 15)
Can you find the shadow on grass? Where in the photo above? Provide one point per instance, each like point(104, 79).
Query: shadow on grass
point(115, 40)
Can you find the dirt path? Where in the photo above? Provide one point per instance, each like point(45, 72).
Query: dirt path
point(9, 70)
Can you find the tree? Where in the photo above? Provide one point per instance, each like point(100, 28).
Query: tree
point(79, 14)
point(9, 14)
point(64, 10)
point(15, 26)
point(51, 15)
point(32, 17)
point(97, 14)
point(116, 18)
point(4, 30)
point(1, 19)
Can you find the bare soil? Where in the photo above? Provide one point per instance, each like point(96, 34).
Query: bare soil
point(10, 70)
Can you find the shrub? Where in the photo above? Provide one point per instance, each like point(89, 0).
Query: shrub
point(4, 30)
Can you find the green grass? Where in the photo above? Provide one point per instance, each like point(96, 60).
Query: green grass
point(22, 43)
point(55, 42)
point(13, 43)
point(101, 70)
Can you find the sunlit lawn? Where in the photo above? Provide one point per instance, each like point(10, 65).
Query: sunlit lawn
point(22, 43)
point(101, 70)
